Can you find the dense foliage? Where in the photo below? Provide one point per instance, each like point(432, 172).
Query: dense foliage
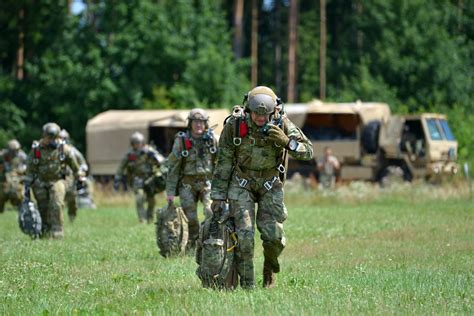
point(414, 54)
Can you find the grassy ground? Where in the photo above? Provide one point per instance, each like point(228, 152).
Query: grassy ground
point(359, 250)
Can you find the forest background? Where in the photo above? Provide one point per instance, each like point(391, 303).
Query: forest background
point(66, 61)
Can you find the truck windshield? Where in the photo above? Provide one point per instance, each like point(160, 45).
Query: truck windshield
point(434, 129)
point(447, 131)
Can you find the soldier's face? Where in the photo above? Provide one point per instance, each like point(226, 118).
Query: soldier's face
point(198, 127)
point(137, 146)
point(259, 119)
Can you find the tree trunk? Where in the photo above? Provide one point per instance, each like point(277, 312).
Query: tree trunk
point(20, 54)
point(277, 20)
point(238, 27)
point(293, 22)
point(254, 76)
point(322, 51)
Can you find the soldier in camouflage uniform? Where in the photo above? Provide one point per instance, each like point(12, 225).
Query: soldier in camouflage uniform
point(250, 169)
point(45, 173)
point(71, 189)
point(12, 169)
point(191, 164)
point(141, 163)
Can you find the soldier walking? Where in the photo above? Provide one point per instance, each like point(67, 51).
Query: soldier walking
point(47, 161)
point(140, 163)
point(250, 170)
point(12, 168)
point(191, 164)
point(328, 166)
point(71, 189)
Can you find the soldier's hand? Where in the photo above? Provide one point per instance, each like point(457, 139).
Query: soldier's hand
point(217, 206)
point(117, 180)
point(277, 135)
point(80, 184)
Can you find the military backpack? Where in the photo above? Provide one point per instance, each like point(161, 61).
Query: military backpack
point(171, 230)
point(215, 253)
point(29, 217)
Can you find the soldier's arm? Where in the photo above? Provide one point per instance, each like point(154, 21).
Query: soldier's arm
point(174, 162)
point(304, 150)
point(121, 167)
point(31, 170)
point(71, 161)
point(80, 160)
point(225, 163)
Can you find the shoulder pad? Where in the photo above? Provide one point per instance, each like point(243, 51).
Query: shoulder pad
point(35, 144)
point(238, 111)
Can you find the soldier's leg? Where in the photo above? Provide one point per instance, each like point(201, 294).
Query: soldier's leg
point(41, 193)
point(150, 197)
point(57, 194)
point(271, 214)
point(205, 198)
point(140, 204)
point(3, 200)
point(188, 200)
point(242, 209)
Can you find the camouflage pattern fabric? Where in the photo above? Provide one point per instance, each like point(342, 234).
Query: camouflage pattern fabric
point(71, 189)
point(246, 175)
point(171, 230)
point(139, 166)
point(215, 254)
point(45, 171)
point(12, 169)
point(189, 177)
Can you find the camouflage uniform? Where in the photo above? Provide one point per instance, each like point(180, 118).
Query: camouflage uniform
point(250, 173)
point(328, 165)
point(139, 165)
point(45, 172)
point(190, 172)
point(12, 169)
point(71, 188)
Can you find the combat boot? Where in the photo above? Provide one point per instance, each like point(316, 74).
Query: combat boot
point(268, 276)
point(58, 235)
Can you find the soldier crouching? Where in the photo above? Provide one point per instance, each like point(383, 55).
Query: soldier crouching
point(250, 170)
point(47, 161)
point(191, 164)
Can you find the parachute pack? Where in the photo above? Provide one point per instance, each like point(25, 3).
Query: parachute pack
point(29, 217)
point(171, 230)
point(215, 254)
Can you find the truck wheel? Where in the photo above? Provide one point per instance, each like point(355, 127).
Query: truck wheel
point(370, 137)
point(394, 174)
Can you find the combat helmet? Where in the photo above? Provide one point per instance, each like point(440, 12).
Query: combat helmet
point(261, 100)
point(64, 135)
point(51, 129)
point(137, 138)
point(198, 114)
point(14, 145)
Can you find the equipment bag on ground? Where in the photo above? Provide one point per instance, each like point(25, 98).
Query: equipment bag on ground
point(171, 230)
point(215, 253)
point(29, 217)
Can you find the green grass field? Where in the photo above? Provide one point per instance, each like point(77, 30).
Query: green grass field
point(377, 253)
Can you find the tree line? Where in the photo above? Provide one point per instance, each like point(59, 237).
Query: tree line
point(58, 65)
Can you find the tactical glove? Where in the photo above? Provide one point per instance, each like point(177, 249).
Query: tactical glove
point(80, 185)
point(117, 180)
point(277, 135)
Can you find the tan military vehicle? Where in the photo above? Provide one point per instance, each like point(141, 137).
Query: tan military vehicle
point(108, 133)
point(371, 144)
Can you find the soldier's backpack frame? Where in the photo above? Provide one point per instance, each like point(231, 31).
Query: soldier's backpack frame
point(171, 230)
point(215, 254)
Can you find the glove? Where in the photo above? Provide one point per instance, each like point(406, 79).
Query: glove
point(277, 135)
point(80, 185)
point(217, 206)
point(117, 180)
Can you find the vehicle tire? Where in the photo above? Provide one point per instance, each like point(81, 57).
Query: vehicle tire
point(370, 137)
point(392, 174)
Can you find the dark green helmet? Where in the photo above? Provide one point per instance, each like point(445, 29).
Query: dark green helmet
point(51, 129)
point(64, 135)
point(14, 145)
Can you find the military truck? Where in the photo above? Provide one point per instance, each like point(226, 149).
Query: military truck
point(108, 133)
point(373, 144)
